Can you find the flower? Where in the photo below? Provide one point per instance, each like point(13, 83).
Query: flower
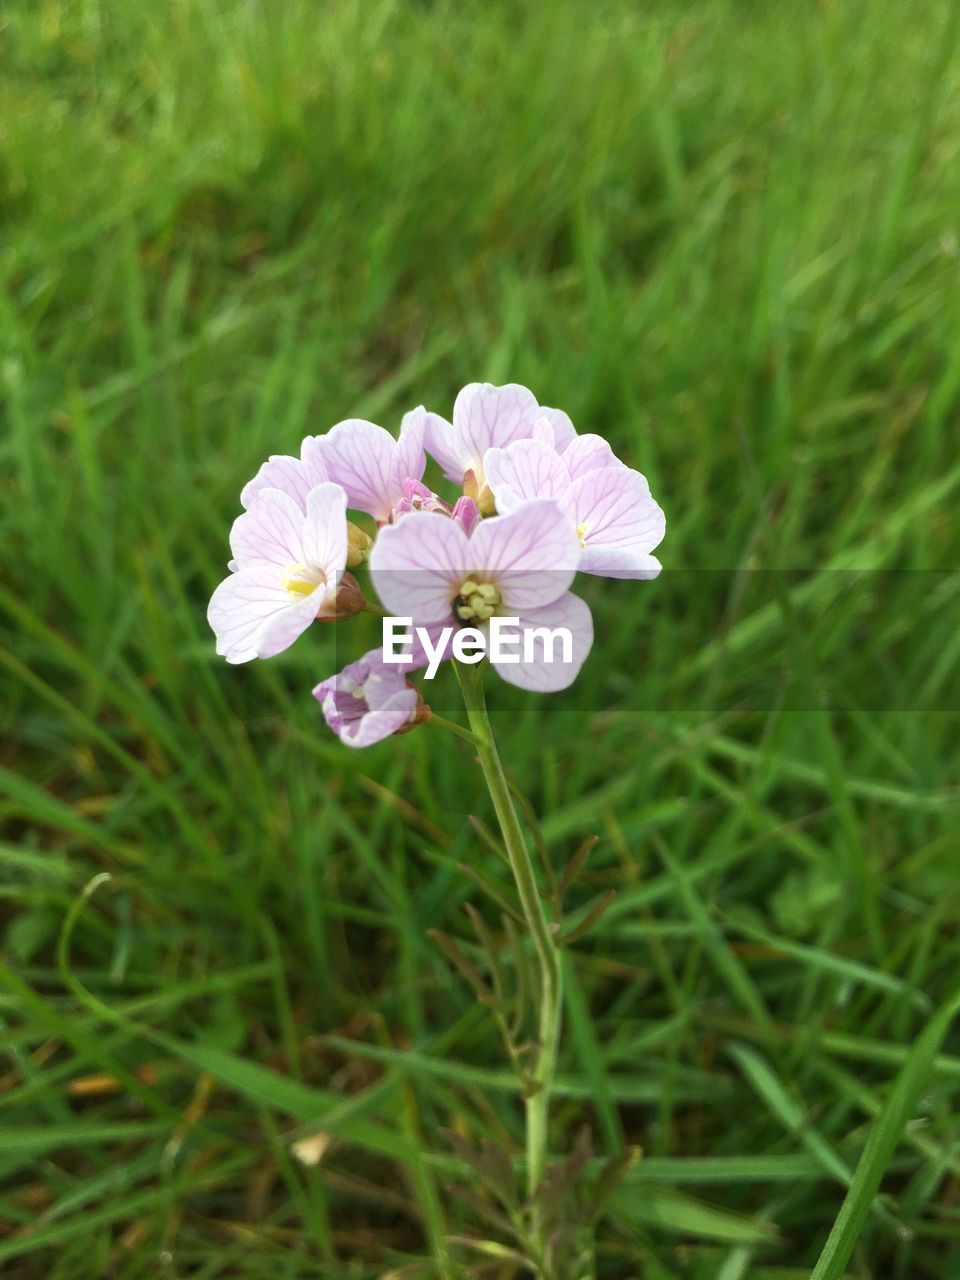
point(484, 416)
point(369, 463)
point(289, 566)
point(516, 565)
point(366, 701)
point(608, 505)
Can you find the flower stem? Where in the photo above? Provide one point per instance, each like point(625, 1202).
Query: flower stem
point(548, 959)
point(452, 727)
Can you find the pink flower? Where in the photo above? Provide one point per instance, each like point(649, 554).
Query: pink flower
point(366, 701)
point(289, 564)
point(369, 463)
point(484, 416)
point(518, 565)
point(606, 503)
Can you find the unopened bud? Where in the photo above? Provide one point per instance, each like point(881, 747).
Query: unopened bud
point(349, 602)
point(480, 493)
point(359, 543)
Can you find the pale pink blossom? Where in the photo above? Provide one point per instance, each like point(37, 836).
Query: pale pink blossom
point(373, 467)
point(367, 701)
point(607, 504)
point(288, 566)
point(484, 416)
point(518, 565)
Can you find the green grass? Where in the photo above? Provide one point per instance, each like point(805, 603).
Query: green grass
point(723, 234)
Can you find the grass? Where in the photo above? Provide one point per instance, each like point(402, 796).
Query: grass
point(725, 236)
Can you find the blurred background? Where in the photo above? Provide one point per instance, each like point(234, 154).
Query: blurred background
point(723, 234)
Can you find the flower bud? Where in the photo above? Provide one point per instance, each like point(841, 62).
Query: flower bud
point(358, 545)
point(349, 602)
point(480, 493)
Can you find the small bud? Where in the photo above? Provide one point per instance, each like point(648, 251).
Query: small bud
point(349, 602)
point(481, 494)
point(358, 546)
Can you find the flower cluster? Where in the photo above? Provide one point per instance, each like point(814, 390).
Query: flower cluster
point(537, 503)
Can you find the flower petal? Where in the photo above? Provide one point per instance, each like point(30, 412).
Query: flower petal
point(616, 510)
point(417, 565)
point(564, 432)
point(359, 456)
point(409, 460)
point(531, 554)
point(271, 532)
point(488, 417)
point(541, 676)
point(619, 562)
point(325, 531)
point(279, 472)
point(248, 605)
point(380, 723)
point(443, 443)
point(588, 453)
point(529, 469)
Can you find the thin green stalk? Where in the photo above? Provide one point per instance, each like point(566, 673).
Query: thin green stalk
point(548, 960)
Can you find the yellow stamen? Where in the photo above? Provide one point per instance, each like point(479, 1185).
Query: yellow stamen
point(582, 534)
point(300, 580)
point(479, 600)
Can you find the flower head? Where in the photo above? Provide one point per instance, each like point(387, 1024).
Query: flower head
point(518, 565)
point(367, 701)
point(289, 565)
point(607, 504)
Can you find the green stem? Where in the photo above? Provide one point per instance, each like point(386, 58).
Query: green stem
point(452, 727)
point(548, 960)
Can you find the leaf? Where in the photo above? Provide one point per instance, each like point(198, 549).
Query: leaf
point(683, 1216)
point(882, 1142)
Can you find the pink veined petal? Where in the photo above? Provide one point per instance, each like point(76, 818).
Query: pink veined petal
point(540, 676)
point(543, 431)
point(443, 443)
point(488, 417)
point(325, 531)
point(619, 562)
point(359, 456)
point(615, 507)
point(588, 453)
point(271, 532)
point(417, 566)
point(381, 722)
point(279, 472)
point(247, 604)
point(531, 554)
point(530, 468)
point(409, 460)
point(311, 459)
point(280, 631)
point(564, 432)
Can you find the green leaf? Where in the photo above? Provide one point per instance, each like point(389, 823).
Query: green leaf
point(882, 1143)
point(681, 1215)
